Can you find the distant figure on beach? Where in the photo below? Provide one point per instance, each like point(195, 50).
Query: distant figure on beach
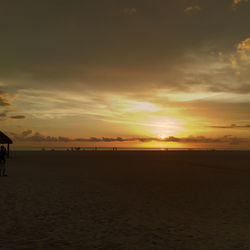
point(3, 161)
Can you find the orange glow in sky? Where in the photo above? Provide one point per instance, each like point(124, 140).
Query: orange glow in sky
point(128, 74)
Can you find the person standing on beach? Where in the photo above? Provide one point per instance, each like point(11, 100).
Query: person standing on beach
point(3, 161)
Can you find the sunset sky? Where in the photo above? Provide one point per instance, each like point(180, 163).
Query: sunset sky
point(139, 73)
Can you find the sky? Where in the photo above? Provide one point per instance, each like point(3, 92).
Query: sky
point(139, 73)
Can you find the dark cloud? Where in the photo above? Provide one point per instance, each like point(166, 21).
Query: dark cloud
point(231, 126)
point(4, 102)
point(18, 117)
point(4, 99)
point(26, 132)
point(3, 114)
point(92, 44)
point(201, 139)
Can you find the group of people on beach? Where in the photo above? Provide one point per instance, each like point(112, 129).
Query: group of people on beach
point(3, 153)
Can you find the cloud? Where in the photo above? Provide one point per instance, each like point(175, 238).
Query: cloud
point(243, 47)
point(109, 53)
point(237, 2)
point(4, 102)
point(26, 132)
point(201, 139)
point(88, 48)
point(231, 126)
point(233, 60)
point(3, 114)
point(38, 137)
point(229, 74)
point(18, 117)
point(192, 9)
point(129, 11)
point(5, 96)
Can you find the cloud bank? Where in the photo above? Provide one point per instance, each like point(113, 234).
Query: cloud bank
point(38, 137)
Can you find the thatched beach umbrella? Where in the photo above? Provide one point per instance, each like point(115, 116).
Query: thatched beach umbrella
point(4, 139)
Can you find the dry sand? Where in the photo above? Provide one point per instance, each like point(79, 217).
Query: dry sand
point(126, 200)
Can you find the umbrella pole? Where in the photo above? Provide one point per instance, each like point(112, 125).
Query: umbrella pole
point(8, 151)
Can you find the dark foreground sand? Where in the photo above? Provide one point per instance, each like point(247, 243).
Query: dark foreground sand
point(126, 200)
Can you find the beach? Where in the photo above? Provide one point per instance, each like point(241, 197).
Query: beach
point(126, 200)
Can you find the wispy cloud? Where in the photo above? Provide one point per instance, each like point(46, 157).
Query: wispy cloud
point(231, 126)
point(4, 99)
point(6, 105)
point(129, 11)
point(4, 102)
point(3, 114)
point(233, 60)
point(26, 132)
point(244, 47)
point(237, 2)
point(109, 52)
point(18, 117)
point(192, 9)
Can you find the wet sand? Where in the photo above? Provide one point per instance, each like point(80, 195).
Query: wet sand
point(126, 200)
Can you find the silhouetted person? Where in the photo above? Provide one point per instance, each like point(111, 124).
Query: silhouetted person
point(3, 161)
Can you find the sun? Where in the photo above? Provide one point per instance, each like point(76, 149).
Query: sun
point(162, 137)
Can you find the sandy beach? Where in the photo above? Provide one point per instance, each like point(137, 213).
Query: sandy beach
point(126, 200)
